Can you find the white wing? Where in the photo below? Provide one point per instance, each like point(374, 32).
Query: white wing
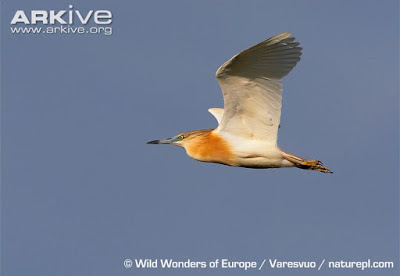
point(250, 83)
point(217, 113)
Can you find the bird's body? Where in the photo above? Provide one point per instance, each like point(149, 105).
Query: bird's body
point(210, 146)
point(248, 125)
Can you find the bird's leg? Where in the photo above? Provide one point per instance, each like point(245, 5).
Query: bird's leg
point(314, 165)
point(312, 162)
point(301, 163)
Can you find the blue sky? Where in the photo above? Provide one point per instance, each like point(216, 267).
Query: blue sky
point(81, 191)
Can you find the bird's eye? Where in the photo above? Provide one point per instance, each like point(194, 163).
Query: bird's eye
point(180, 137)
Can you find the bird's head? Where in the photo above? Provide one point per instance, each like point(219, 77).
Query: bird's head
point(184, 139)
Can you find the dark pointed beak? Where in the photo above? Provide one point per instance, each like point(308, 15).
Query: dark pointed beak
point(162, 141)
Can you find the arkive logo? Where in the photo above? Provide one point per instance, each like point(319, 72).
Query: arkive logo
point(69, 21)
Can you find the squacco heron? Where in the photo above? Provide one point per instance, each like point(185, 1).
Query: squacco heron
point(247, 131)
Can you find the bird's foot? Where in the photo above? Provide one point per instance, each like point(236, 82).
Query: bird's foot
point(314, 165)
point(304, 164)
point(312, 162)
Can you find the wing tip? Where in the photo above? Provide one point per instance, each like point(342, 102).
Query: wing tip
point(283, 38)
point(286, 33)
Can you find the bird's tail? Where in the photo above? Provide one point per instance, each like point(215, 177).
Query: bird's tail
point(304, 164)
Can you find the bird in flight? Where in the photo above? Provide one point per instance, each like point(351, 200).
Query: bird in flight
point(247, 131)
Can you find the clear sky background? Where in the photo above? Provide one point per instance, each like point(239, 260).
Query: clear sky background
point(81, 191)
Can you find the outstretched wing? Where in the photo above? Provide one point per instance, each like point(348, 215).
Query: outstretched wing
point(250, 83)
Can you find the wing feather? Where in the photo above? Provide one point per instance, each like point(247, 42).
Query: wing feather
point(217, 113)
point(250, 83)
